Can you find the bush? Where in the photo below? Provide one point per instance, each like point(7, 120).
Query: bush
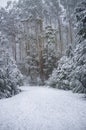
point(71, 71)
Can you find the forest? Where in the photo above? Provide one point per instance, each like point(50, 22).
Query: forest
point(43, 43)
point(43, 65)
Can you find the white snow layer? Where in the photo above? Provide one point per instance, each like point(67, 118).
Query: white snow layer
point(38, 108)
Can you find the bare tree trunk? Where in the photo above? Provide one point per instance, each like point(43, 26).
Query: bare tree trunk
point(67, 36)
point(41, 59)
point(60, 35)
point(56, 41)
point(70, 23)
point(37, 41)
point(40, 37)
point(14, 47)
point(50, 21)
point(70, 29)
point(20, 51)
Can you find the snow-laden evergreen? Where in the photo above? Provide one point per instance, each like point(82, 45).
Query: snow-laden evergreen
point(71, 71)
point(80, 12)
point(10, 76)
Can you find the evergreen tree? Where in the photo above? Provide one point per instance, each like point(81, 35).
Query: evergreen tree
point(80, 13)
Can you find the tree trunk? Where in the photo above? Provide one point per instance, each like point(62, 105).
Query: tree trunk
point(60, 36)
point(70, 28)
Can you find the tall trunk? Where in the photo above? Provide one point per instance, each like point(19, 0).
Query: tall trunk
point(60, 35)
point(67, 36)
point(36, 35)
point(70, 29)
point(70, 24)
point(14, 47)
point(20, 51)
point(50, 21)
point(56, 41)
point(40, 37)
point(41, 59)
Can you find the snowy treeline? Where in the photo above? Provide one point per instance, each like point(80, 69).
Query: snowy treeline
point(71, 71)
point(43, 35)
point(39, 32)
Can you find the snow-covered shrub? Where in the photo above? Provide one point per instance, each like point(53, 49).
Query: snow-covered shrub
point(78, 76)
point(10, 79)
point(80, 13)
point(60, 77)
point(7, 88)
point(14, 74)
point(10, 76)
point(71, 71)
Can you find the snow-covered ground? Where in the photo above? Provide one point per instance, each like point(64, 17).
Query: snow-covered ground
point(38, 108)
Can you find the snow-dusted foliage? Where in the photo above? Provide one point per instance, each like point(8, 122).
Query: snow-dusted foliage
point(13, 73)
point(71, 71)
point(78, 75)
point(80, 13)
point(10, 76)
point(39, 32)
point(60, 76)
point(50, 51)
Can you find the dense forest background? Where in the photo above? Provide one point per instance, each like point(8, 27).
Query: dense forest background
point(45, 40)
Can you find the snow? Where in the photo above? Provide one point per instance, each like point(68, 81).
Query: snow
point(3, 3)
point(41, 108)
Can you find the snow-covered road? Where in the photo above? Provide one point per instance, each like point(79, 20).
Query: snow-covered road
point(38, 108)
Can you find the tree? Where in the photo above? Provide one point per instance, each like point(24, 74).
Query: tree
point(80, 13)
point(10, 76)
